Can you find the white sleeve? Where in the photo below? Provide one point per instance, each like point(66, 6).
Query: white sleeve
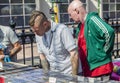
point(68, 40)
point(12, 36)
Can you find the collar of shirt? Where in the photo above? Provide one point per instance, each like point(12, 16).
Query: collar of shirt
point(85, 17)
point(48, 36)
point(53, 26)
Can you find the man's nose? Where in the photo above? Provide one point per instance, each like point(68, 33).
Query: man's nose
point(32, 30)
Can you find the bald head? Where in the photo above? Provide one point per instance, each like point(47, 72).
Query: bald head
point(75, 4)
point(77, 11)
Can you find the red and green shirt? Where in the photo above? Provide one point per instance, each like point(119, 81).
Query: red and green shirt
point(104, 69)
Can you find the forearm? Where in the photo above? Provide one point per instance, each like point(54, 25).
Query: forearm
point(16, 49)
point(1, 55)
point(45, 64)
point(74, 62)
point(74, 67)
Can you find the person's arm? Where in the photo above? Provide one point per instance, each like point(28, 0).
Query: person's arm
point(74, 61)
point(103, 30)
point(1, 55)
point(44, 62)
point(16, 49)
point(13, 39)
point(69, 44)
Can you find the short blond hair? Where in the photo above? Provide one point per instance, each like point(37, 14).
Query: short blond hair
point(34, 15)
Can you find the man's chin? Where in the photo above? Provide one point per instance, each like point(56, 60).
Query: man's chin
point(77, 21)
point(39, 34)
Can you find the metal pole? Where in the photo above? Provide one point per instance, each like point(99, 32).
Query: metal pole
point(23, 42)
point(31, 39)
point(99, 7)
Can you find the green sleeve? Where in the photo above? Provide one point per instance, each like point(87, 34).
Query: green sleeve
point(102, 30)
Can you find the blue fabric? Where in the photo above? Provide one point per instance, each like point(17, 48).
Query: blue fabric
point(7, 58)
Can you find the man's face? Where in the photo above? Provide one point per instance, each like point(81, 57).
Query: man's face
point(73, 14)
point(38, 29)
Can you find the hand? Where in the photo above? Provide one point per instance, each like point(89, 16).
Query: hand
point(1, 57)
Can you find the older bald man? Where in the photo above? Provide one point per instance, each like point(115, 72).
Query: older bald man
point(95, 41)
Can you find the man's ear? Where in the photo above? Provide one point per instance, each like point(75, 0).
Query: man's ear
point(44, 23)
